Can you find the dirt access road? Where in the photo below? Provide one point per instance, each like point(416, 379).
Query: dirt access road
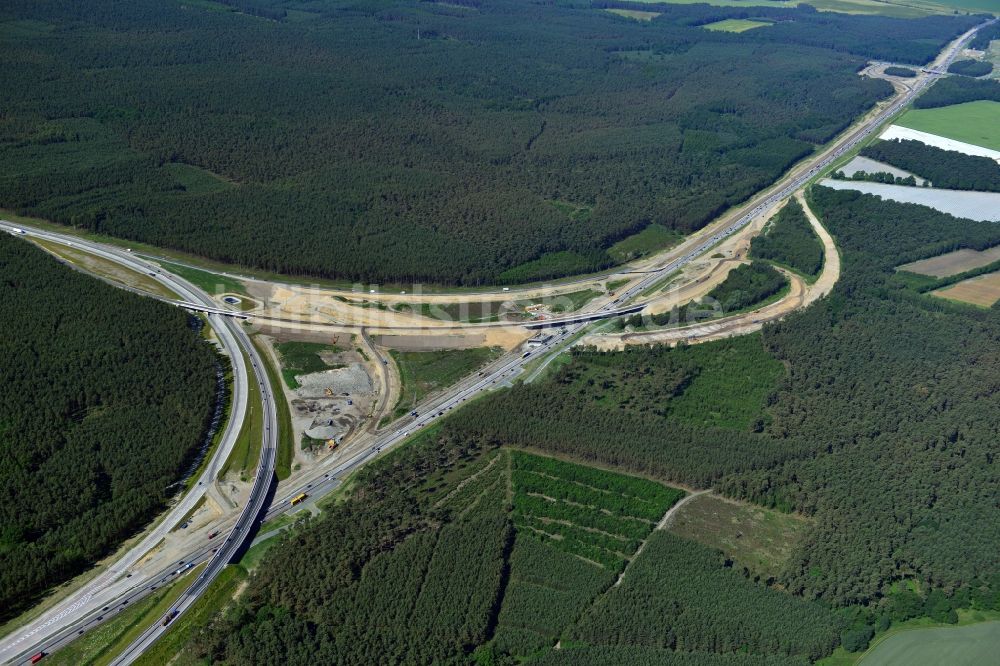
point(800, 295)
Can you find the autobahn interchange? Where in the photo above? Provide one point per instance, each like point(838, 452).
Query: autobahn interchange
point(108, 590)
point(327, 477)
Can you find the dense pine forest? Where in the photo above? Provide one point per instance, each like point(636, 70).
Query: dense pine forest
point(970, 67)
point(789, 240)
point(106, 397)
point(944, 168)
point(467, 142)
point(958, 90)
point(883, 429)
point(446, 553)
point(872, 412)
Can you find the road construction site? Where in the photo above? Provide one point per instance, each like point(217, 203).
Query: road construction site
point(209, 525)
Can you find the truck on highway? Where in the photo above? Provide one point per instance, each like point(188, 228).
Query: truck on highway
point(298, 499)
point(18, 230)
point(169, 617)
point(37, 658)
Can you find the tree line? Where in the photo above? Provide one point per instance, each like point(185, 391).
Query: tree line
point(365, 140)
point(105, 400)
point(970, 67)
point(790, 241)
point(958, 90)
point(944, 168)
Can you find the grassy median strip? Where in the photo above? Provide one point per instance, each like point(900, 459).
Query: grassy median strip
point(286, 438)
point(106, 268)
point(175, 646)
point(246, 451)
point(211, 283)
point(103, 644)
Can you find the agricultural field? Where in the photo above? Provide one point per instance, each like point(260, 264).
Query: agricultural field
point(871, 7)
point(868, 165)
point(981, 206)
point(975, 122)
point(636, 14)
point(972, 644)
point(735, 25)
point(952, 263)
point(982, 290)
point(762, 540)
point(944, 143)
point(423, 372)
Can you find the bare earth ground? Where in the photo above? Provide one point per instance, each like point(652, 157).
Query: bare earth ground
point(332, 404)
point(982, 290)
point(799, 296)
point(953, 263)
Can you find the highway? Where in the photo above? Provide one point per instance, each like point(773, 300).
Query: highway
point(63, 623)
point(101, 596)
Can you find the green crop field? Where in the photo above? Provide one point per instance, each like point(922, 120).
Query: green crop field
point(972, 122)
point(974, 644)
point(735, 25)
point(909, 10)
point(636, 14)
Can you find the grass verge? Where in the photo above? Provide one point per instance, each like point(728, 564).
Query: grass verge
point(107, 641)
point(176, 646)
point(246, 451)
point(213, 284)
point(286, 437)
point(106, 269)
point(422, 373)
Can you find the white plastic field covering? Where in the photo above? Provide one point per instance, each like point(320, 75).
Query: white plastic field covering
point(899, 132)
point(982, 206)
point(869, 165)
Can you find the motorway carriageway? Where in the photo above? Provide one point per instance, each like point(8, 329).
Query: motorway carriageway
point(512, 365)
point(81, 609)
point(508, 367)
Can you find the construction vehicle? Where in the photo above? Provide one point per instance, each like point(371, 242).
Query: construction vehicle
point(331, 444)
point(328, 392)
